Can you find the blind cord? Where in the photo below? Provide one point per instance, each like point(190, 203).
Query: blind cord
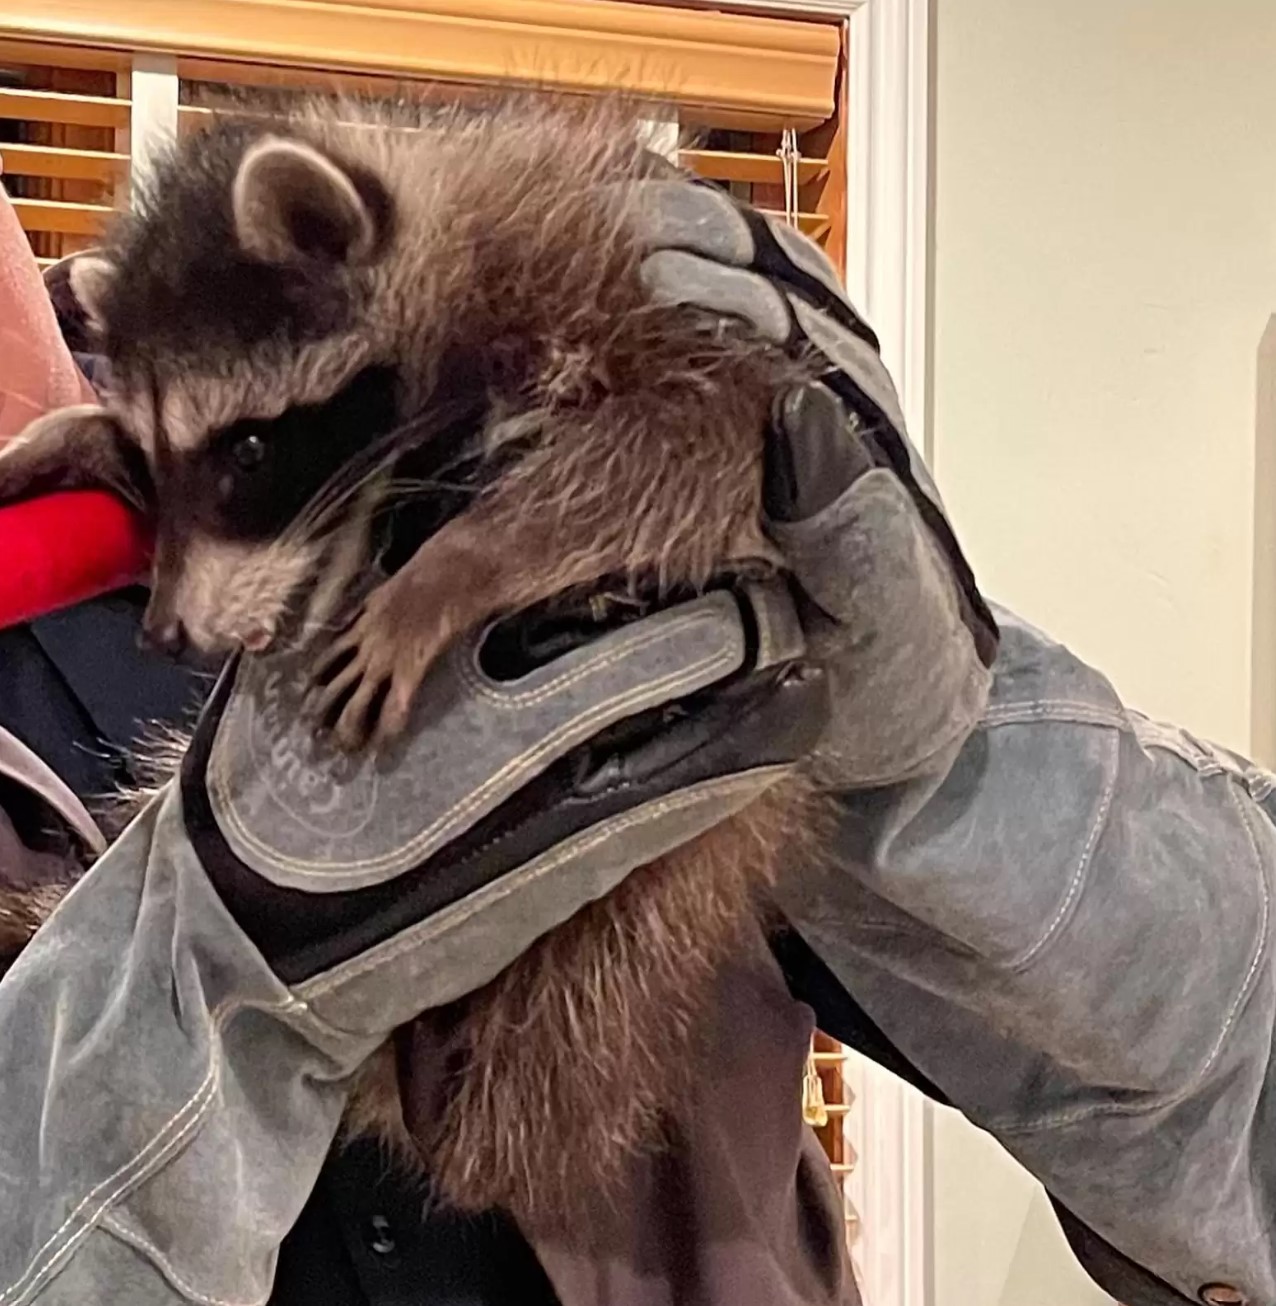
point(790, 157)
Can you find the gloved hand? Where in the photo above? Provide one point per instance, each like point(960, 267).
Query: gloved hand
point(891, 605)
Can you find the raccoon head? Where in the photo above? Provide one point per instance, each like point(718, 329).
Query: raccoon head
point(287, 299)
point(229, 312)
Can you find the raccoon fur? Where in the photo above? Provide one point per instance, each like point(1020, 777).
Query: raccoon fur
point(293, 304)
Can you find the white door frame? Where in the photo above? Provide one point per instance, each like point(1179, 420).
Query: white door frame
point(888, 276)
point(889, 216)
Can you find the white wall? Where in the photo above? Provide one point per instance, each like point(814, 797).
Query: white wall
point(1105, 268)
point(995, 1241)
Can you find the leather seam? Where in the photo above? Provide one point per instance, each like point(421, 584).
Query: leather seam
point(1017, 965)
point(136, 1170)
point(142, 1244)
point(1166, 1101)
point(386, 862)
point(428, 931)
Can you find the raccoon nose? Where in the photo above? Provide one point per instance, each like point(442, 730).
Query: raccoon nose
point(166, 635)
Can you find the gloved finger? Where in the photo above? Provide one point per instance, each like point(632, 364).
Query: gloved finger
point(695, 217)
point(675, 277)
point(813, 453)
point(698, 219)
point(806, 256)
point(688, 215)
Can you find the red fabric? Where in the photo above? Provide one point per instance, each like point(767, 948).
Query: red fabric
point(65, 548)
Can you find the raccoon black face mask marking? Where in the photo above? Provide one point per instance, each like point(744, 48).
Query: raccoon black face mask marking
point(254, 491)
point(253, 478)
point(248, 314)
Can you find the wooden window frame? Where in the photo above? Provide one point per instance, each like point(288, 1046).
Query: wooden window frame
point(711, 62)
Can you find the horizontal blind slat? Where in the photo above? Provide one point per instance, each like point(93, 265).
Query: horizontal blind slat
point(66, 164)
point(60, 216)
point(59, 107)
point(732, 165)
point(815, 225)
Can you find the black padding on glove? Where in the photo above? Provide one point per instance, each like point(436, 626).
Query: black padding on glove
point(812, 454)
point(815, 451)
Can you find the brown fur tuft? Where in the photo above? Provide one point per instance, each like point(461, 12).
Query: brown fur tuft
point(577, 1056)
point(153, 762)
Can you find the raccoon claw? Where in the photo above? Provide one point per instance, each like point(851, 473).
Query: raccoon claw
point(365, 684)
point(337, 697)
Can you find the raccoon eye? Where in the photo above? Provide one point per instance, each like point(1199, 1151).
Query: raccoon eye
point(249, 453)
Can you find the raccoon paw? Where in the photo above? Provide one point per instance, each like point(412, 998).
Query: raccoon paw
point(365, 683)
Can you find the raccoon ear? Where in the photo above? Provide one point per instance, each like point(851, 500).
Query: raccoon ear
point(291, 203)
point(90, 277)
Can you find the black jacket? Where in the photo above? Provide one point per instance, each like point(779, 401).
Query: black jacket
point(76, 689)
point(367, 1238)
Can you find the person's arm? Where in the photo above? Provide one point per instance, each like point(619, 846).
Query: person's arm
point(1070, 935)
point(61, 548)
point(1059, 911)
point(38, 373)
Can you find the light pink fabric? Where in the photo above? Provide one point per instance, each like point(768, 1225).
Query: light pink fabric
point(37, 372)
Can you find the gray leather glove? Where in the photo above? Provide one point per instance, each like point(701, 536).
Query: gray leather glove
point(891, 605)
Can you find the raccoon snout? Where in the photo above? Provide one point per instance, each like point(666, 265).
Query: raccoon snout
point(164, 635)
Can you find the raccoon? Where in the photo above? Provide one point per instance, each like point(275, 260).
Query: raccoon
point(295, 311)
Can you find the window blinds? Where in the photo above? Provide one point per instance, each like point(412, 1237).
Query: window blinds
point(64, 126)
point(731, 70)
point(830, 1060)
point(783, 172)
